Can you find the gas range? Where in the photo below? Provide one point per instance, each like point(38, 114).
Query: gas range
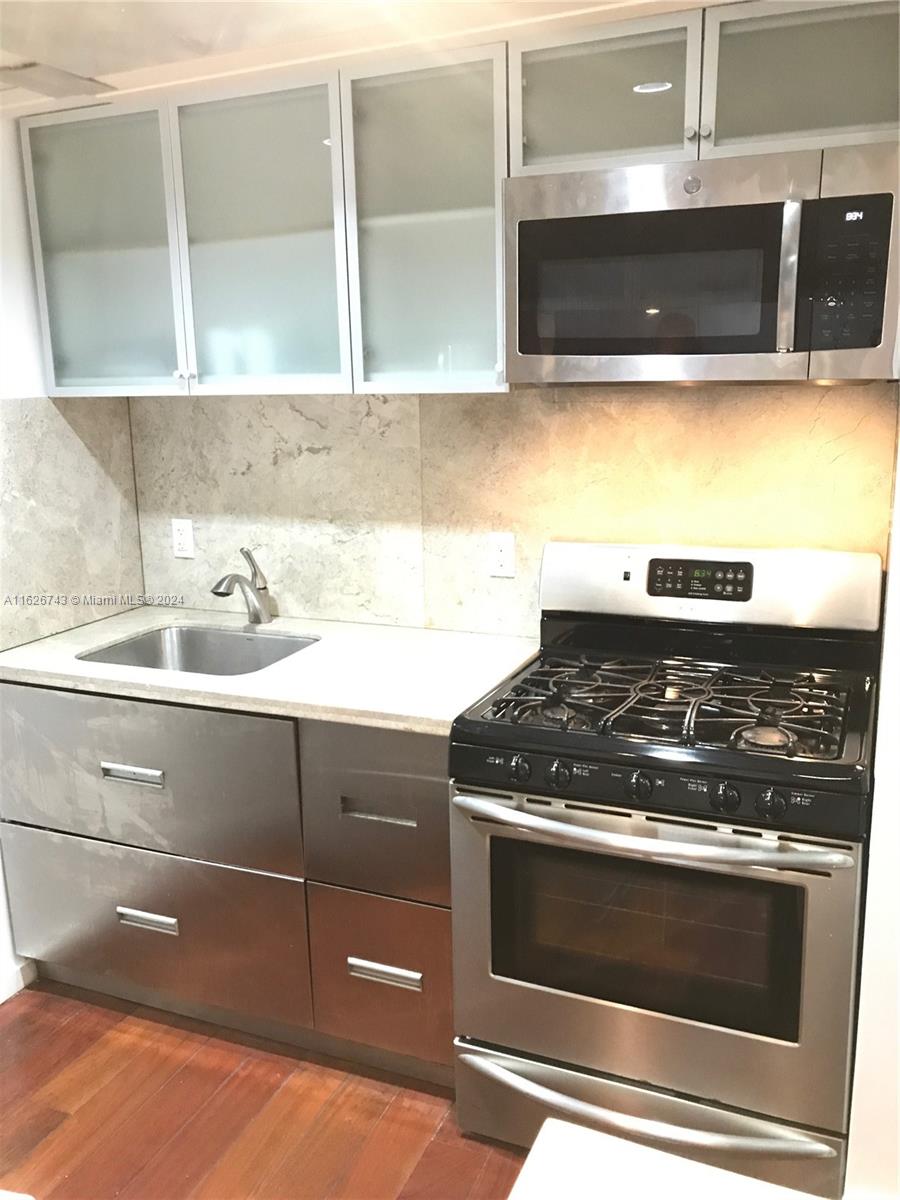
point(769, 724)
point(657, 842)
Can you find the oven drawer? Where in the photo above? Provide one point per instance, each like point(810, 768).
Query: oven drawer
point(191, 931)
point(381, 972)
point(376, 810)
point(212, 785)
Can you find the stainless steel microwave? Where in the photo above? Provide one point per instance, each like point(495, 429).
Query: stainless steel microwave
point(778, 267)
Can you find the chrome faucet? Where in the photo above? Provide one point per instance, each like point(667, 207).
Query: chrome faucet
point(255, 590)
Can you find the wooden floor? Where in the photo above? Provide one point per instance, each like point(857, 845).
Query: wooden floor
point(101, 1099)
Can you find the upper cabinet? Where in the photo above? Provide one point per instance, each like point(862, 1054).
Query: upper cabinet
point(780, 76)
point(776, 76)
point(101, 196)
point(616, 94)
point(260, 201)
point(195, 246)
point(424, 157)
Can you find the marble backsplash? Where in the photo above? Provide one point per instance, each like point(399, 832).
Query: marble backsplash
point(68, 523)
point(378, 508)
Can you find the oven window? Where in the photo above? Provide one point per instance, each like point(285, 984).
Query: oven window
point(724, 950)
point(700, 281)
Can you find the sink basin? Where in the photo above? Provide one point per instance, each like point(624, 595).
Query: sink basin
point(201, 649)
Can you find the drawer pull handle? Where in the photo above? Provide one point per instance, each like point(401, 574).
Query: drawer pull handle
point(147, 920)
point(123, 773)
point(367, 811)
point(382, 973)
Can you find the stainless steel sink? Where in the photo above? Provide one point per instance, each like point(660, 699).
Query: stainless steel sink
point(202, 649)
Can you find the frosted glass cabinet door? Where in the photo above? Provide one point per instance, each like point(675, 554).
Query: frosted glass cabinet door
point(621, 93)
point(780, 76)
point(424, 156)
point(260, 177)
point(102, 204)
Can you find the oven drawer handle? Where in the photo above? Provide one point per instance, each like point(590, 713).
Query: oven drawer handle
point(787, 857)
point(791, 1145)
point(364, 968)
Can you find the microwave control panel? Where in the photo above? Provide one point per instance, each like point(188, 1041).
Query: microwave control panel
point(696, 579)
point(844, 262)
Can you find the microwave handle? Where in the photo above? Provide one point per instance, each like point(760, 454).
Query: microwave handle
point(789, 265)
point(793, 1145)
point(785, 857)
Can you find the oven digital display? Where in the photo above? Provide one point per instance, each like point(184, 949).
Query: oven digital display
point(700, 580)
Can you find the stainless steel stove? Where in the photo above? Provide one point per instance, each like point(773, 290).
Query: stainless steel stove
point(658, 834)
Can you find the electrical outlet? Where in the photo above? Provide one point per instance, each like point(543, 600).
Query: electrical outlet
point(502, 555)
point(182, 537)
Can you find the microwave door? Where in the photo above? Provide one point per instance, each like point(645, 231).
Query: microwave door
point(658, 272)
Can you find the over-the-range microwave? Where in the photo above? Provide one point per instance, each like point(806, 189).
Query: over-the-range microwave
point(779, 267)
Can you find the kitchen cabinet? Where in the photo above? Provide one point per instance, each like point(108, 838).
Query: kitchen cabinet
point(195, 246)
point(157, 776)
point(260, 204)
point(381, 972)
point(782, 76)
point(614, 94)
point(192, 933)
point(102, 206)
point(375, 810)
point(424, 157)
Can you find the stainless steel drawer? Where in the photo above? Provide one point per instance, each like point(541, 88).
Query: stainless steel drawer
point(195, 932)
point(375, 810)
point(212, 785)
point(381, 972)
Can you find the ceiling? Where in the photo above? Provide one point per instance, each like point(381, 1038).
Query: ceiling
point(139, 43)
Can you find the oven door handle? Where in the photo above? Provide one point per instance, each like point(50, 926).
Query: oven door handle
point(790, 1145)
point(786, 857)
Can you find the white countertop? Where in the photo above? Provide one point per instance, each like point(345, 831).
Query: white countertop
point(575, 1163)
point(398, 678)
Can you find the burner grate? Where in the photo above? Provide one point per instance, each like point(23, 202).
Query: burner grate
point(784, 713)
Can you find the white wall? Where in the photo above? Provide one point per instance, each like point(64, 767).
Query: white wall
point(873, 1168)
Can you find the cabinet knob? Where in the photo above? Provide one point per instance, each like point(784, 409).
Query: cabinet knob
point(706, 131)
point(690, 132)
point(178, 374)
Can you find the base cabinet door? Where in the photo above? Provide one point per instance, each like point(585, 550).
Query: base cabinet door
point(382, 972)
point(192, 932)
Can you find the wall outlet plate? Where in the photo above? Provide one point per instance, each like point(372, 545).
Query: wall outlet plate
point(182, 537)
point(502, 555)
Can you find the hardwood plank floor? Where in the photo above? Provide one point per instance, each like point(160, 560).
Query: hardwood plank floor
point(103, 1100)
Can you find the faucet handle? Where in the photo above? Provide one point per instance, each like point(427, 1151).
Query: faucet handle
point(256, 576)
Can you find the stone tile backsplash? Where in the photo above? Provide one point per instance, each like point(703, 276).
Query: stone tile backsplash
point(377, 508)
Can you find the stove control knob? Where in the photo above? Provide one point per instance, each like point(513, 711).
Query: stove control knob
point(559, 774)
point(725, 798)
point(771, 804)
point(639, 786)
point(520, 768)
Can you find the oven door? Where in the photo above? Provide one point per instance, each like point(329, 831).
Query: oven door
point(657, 272)
point(717, 963)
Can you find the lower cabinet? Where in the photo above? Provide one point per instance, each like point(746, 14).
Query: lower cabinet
point(381, 972)
point(191, 931)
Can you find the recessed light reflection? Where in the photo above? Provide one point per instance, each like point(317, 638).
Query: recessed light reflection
point(326, 141)
point(651, 312)
point(654, 85)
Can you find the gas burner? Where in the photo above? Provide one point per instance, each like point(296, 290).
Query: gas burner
point(682, 701)
point(764, 737)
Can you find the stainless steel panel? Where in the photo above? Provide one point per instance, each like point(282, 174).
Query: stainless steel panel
point(198, 649)
point(507, 1096)
point(854, 171)
point(803, 1082)
point(757, 179)
point(805, 589)
point(241, 935)
point(227, 783)
point(381, 972)
point(375, 810)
